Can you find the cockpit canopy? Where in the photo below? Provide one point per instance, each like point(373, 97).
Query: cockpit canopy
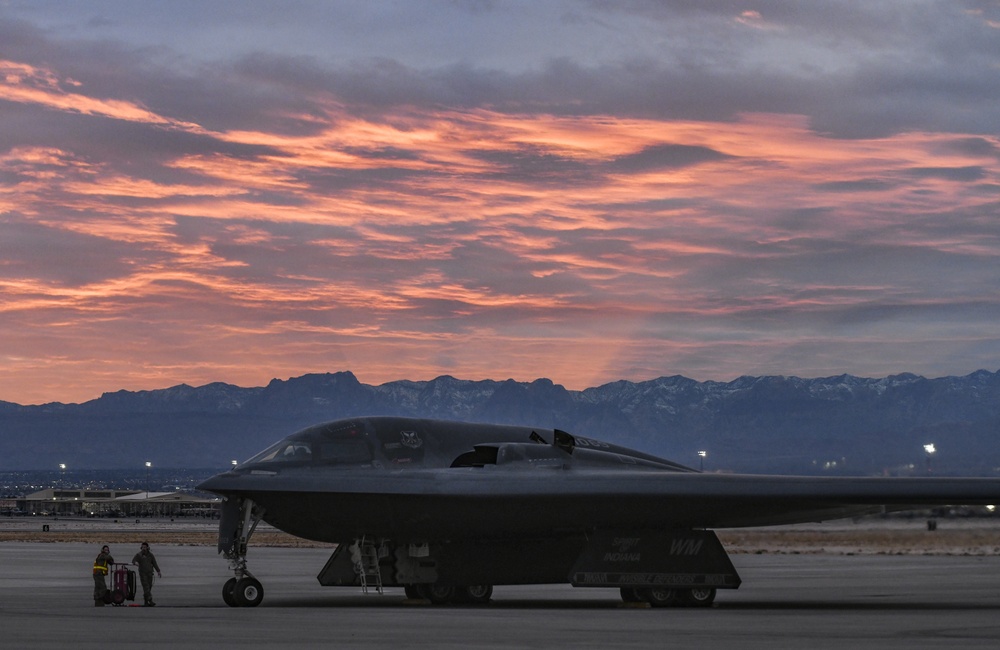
point(398, 443)
point(335, 452)
point(319, 445)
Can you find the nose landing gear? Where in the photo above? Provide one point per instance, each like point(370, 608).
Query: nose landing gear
point(237, 524)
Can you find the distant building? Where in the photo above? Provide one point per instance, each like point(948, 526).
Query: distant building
point(96, 502)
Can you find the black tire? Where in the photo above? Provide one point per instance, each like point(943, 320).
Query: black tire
point(476, 594)
point(659, 596)
point(698, 597)
point(631, 595)
point(228, 590)
point(117, 597)
point(413, 592)
point(248, 592)
point(439, 594)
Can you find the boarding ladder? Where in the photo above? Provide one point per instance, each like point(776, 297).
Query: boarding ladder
point(367, 565)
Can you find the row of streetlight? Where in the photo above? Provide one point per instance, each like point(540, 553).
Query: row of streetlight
point(149, 465)
point(929, 449)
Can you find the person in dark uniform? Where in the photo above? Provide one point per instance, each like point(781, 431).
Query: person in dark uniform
point(101, 564)
point(146, 562)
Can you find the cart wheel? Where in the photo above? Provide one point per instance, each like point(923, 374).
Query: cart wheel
point(248, 593)
point(228, 590)
point(117, 597)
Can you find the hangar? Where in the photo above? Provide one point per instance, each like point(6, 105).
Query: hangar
point(102, 502)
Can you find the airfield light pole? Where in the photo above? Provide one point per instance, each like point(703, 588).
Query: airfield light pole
point(148, 465)
point(235, 463)
point(930, 449)
point(62, 475)
point(701, 460)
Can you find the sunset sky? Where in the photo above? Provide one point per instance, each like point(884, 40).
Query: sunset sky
point(580, 190)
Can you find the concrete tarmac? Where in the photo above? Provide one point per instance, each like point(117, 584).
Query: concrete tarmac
point(786, 601)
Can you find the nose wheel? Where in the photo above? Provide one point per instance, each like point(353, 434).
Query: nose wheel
point(248, 592)
point(229, 592)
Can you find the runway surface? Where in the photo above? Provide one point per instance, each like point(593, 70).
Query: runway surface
point(787, 601)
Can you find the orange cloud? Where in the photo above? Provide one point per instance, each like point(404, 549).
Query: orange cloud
point(26, 84)
point(479, 243)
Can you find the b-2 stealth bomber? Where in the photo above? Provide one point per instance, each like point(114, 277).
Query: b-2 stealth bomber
point(449, 509)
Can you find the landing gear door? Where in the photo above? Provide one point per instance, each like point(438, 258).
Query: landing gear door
point(674, 559)
point(230, 520)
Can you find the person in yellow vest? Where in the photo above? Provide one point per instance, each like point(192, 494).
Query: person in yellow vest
point(101, 564)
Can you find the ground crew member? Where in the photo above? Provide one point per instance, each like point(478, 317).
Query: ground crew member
point(101, 564)
point(146, 562)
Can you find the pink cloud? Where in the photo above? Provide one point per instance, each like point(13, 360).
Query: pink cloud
point(411, 242)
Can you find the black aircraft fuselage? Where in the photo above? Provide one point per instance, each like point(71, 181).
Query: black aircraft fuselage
point(446, 508)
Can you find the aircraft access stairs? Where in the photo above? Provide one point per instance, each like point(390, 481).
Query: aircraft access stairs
point(366, 554)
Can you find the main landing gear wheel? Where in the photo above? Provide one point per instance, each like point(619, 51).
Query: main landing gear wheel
point(248, 592)
point(476, 594)
point(631, 595)
point(445, 594)
point(438, 594)
point(698, 597)
point(658, 596)
point(413, 592)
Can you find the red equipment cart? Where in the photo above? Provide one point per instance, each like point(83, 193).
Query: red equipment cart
point(122, 584)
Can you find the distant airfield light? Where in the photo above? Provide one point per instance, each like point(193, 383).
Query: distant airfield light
point(235, 463)
point(991, 508)
point(701, 460)
point(62, 466)
point(930, 448)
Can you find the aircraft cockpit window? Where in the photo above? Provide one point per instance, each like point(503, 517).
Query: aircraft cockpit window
point(344, 452)
point(287, 451)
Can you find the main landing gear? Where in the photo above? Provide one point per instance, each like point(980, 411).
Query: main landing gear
point(242, 590)
point(666, 597)
point(449, 594)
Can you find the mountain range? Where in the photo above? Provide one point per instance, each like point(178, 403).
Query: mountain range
point(833, 425)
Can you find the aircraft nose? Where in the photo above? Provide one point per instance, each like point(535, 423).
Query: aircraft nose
point(214, 483)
